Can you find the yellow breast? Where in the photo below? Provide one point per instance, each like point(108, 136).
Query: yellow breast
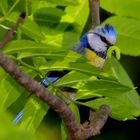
point(94, 59)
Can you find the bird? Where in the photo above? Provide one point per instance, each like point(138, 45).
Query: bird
point(93, 45)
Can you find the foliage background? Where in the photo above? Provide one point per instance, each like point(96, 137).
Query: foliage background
point(51, 28)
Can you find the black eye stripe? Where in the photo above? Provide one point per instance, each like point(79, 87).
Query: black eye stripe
point(104, 40)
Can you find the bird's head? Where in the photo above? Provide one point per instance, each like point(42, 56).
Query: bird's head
point(107, 34)
point(100, 39)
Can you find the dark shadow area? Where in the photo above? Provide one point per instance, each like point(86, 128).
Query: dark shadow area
point(119, 130)
point(132, 66)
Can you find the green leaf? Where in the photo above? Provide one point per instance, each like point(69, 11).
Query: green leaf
point(101, 88)
point(73, 77)
point(3, 74)
point(124, 8)
point(10, 91)
point(123, 107)
point(75, 111)
point(79, 13)
point(3, 30)
point(29, 27)
point(70, 27)
point(33, 113)
point(65, 2)
point(37, 4)
point(19, 103)
point(73, 61)
point(10, 131)
point(4, 6)
point(63, 131)
point(119, 73)
point(48, 15)
point(79, 66)
point(39, 61)
point(29, 47)
point(128, 34)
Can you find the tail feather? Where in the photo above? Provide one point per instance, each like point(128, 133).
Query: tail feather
point(18, 117)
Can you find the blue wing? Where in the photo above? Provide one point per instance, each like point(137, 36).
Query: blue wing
point(46, 82)
point(53, 76)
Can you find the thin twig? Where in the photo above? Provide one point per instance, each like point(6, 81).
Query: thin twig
point(9, 34)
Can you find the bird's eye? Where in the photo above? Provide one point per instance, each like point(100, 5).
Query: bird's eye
point(105, 40)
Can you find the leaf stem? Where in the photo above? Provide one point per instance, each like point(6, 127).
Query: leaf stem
point(30, 67)
point(26, 8)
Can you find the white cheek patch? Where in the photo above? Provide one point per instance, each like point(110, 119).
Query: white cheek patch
point(91, 39)
point(96, 43)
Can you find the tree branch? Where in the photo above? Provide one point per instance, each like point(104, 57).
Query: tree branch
point(95, 11)
point(96, 122)
point(38, 90)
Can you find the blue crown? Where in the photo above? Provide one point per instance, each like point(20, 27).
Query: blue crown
point(109, 30)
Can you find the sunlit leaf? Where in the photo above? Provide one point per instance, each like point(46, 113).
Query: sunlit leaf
point(33, 114)
point(75, 110)
point(4, 6)
point(10, 91)
point(10, 131)
point(73, 77)
point(125, 8)
point(68, 31)
point(119, 73)
point(99, 88)
point(123, 107)
point(28, 46)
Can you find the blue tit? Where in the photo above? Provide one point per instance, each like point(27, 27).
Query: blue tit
point(94, 44)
